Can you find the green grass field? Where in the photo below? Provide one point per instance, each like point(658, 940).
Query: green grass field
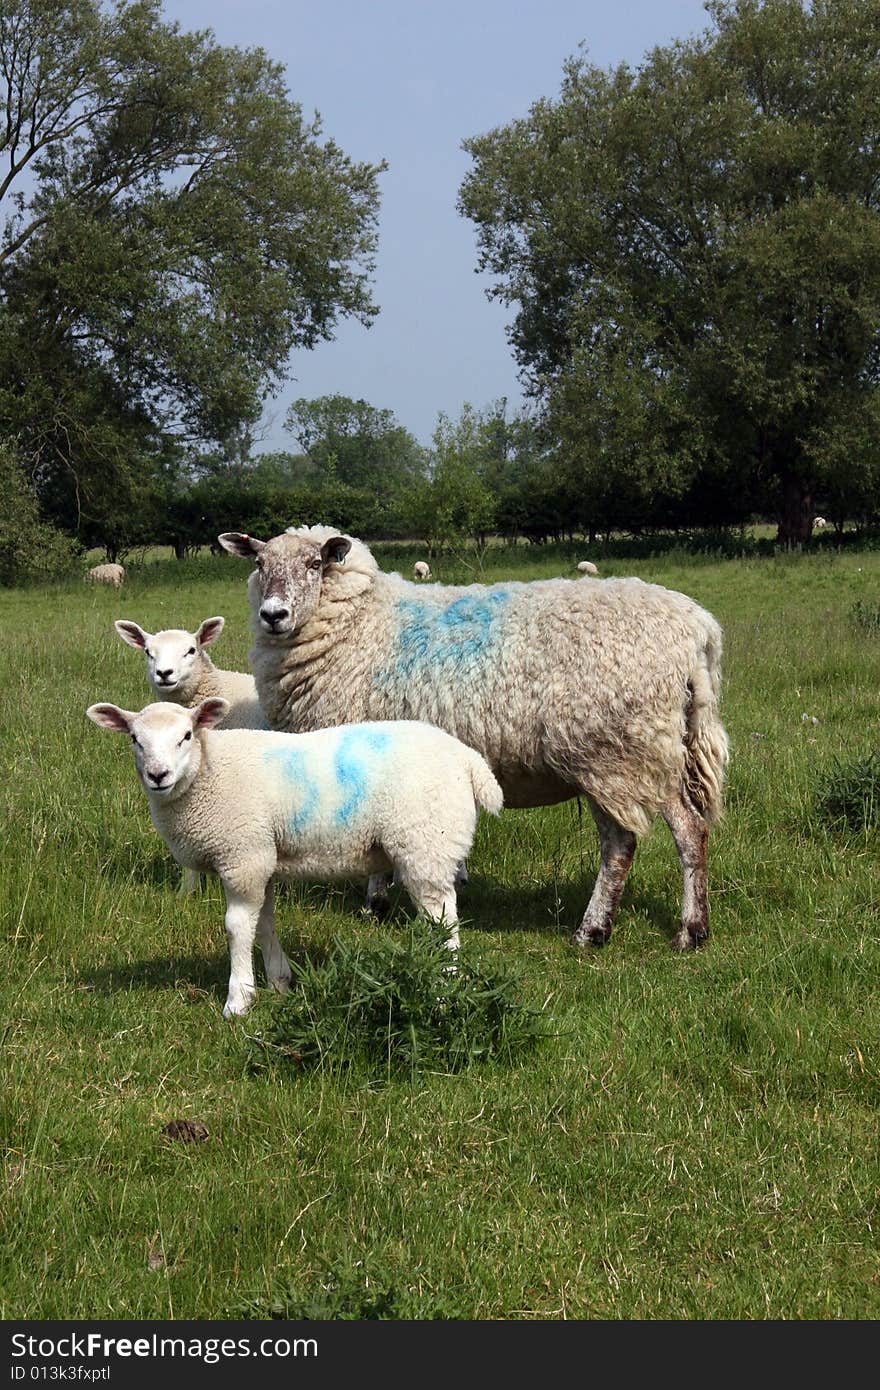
point(697, 1139)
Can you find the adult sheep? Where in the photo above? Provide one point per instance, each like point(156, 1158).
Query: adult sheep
point(587, 567)
point(607, 690)
point(107, 574)
point(421, 569)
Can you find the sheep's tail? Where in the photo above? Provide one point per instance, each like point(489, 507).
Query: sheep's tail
point(487, 792)
point(706, 749)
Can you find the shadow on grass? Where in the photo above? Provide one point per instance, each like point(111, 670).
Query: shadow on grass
point(552, 909)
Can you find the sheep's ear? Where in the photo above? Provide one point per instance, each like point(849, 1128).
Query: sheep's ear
point(209, 631)
point(239, 543)
point(334, 551)
point(132, 634)
point(209, 713)
point(111, 717)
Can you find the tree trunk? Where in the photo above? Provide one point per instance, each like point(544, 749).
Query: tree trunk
point(796, 513)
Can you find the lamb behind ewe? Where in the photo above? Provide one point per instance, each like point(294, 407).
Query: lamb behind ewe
point(107, 574)
point(606, 690)
point(179, 669)
point(357, 800)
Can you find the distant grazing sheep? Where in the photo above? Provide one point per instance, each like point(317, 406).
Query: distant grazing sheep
point(587, 567)
point(107, 574)
point(356, 800)
point(179, 669)
point(819, 522)
point(607, 691)
point(421, 569)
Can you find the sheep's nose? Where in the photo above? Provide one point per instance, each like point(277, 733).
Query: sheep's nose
point(163, 675)
point(274, 615)
point(158, 777)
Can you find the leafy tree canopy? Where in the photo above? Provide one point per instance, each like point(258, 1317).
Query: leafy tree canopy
point(355, 443)
point(172, 228)
point(693, 248)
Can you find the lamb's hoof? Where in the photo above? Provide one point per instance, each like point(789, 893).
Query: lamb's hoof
point(379, 907)
point(238, 1007)
point(592, 936)
point(281, 985)
point(689, 938)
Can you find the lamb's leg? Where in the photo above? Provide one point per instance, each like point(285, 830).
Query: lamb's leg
point(691, 835)
point(276, 964)
point(377, 903)
point(435, 902)
point(617, 846)
point(242, 912)
point(461, 875)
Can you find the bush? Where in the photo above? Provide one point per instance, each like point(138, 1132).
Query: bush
point(398, 1008)
point(850, 794)
point(30, 549)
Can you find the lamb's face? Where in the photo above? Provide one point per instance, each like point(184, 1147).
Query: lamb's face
point(172, 654)
point(167, 753)
point(286, 586)
point(164, 748)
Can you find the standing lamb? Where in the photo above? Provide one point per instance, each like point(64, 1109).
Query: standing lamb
point(421, 569)
point(356, 800)
point(179, 669)
point(587, 567)
point(606, 690)
point(107, 574)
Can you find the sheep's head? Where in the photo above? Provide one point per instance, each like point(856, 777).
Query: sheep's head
point(291, 569)
point(167, 754)
point(172, 655)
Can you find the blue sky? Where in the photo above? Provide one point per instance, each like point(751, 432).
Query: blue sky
point(407, 82)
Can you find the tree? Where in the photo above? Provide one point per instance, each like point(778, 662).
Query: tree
point(173, 229)
point(453, 501)
point(355, 443)
point(29, 548)
point(694, 252)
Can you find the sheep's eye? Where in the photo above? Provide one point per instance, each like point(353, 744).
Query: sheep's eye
point(191, 652)
point(134, 741)
point(186, 736)
point(151, 656)
point(314, 564)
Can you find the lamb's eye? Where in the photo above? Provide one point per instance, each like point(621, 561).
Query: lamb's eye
point(151, 656)
point(134, 741)
point(191, 652)
point(187, 735)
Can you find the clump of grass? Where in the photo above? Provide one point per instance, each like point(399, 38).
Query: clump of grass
point(346, 1294)
point(398, 1007)
point(866, 617)
point(850, 794)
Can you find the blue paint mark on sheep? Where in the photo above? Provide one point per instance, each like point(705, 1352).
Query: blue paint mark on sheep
point(291, 764)
point(353, 761)
point(452, 636)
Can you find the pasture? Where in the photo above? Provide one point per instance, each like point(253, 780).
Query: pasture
point(696, 1139)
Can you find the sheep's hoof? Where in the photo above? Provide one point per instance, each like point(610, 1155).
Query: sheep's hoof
point(591, 936)
point(281, 985)
point(236, 1008)
point(689, 938)
point(378, 907)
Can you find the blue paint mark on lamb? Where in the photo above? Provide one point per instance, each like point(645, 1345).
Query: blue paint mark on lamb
point(353, 759)
point(447, 636)
point(291, 764)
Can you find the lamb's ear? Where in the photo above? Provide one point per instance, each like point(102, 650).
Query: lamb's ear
point(209, 631)
point(209, 712)
point(239, 543)
point(334, 551)
point(112, 717)
point(132, 634)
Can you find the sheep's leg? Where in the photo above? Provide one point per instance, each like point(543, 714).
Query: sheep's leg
point(276, 964)
point(691, 836)
point(617, 845)
point(242, 913)
point(377, 904)
point(461, 875)
point(189, 882)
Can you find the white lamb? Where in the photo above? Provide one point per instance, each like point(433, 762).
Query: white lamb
point(421, 569)
point(179, 669)
point(344, 802)
point(607, 690)
point(587, 567)
point(107, 574)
